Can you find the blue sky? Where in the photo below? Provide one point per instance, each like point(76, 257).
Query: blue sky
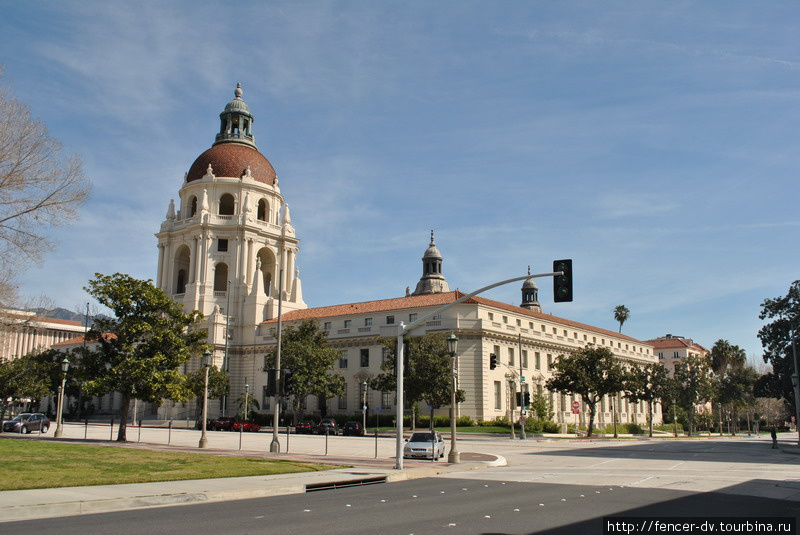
point(655, 143)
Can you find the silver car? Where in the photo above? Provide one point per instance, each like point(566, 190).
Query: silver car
point(424, 445)
point(27, 422)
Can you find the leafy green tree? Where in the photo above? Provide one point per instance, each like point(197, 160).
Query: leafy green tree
point(138, 352)
point(725, 360)
point(428, 377)
point(541, 407)
point(246, 403)
point(591, 372)
point(218, 385)
point(621, 314)
point(776, 339)
point(693, 375)
point(646, 382)
point(304, 352)
point(24, 377)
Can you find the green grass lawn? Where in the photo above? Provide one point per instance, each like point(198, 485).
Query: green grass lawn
point(31, 464)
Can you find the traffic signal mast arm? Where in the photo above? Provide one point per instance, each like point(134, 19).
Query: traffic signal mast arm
point(402, 329)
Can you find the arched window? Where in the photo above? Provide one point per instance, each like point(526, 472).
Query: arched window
point(262, 210)
point(181, 269)
point(221, 277)
point(226, 204)
point(181, 286)
point(193, 206)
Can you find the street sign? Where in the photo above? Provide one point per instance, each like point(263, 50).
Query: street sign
point(576, 405)
point(377, 409)
point(522, 379)
point(576, 411)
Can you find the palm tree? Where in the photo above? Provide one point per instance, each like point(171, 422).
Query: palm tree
point(621, 314)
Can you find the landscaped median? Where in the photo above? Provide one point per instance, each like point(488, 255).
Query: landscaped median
point(31, 464)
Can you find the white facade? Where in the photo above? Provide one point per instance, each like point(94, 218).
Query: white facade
point(24, 332)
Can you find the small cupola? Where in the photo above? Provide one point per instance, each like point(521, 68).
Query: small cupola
point(432, 280)
point(236, 122)
point(530, 295)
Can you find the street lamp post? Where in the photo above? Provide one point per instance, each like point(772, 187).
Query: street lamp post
point(364, 406)
point(452, 345)
point(246, 402)
point(64, 368)
point(206, 364)
point(796, 385)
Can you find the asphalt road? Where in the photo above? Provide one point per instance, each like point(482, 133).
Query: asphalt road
point(427, 506)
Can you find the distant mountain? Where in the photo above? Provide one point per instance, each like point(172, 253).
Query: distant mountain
point(63, 314)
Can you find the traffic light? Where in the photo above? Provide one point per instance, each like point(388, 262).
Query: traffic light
point(272, 383)
point(492, 361)
point(288, 383)
point(519, 399)
point(562, 284)
point(527, 399)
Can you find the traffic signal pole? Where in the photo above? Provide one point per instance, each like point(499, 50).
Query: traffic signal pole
point(403, 329)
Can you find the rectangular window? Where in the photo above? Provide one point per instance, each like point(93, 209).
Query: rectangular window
point(544, 329)
point(549, 362)
point(222, 245)
point(265, 399)
point(348, 324)
point(491, 316)
point(524, 358)
point(505, 319)
point(496, 351)
point(498, 396)
point(343, 360)
point(327, 326)
point(365, 358)
point(538, 359)
point(519, 323)
point(660, 355)
point(266, 363)
point(389, 320)
point(367, 322)
point(412, 317)
point(386, 400)
point(511, 356)
point(676, 355)
point(343, 399)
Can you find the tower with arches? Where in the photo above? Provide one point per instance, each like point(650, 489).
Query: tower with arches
point(227, 246)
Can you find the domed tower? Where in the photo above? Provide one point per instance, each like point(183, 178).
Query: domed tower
point(530, 295)
point(432, 280)
point(225, 246)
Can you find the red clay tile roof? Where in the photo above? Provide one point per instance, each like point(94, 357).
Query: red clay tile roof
point(231, 160)
point(429, 300)
point(79, 340)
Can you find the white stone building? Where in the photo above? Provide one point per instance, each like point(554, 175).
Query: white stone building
point(228, 248)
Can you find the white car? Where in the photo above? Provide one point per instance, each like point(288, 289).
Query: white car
point(422, 443)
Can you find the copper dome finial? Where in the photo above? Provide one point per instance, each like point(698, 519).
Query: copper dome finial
point(238, 91)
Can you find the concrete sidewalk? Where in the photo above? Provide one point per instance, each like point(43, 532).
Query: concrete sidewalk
point(67, 501)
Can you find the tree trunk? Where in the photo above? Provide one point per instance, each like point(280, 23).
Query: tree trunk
point(590, 427)
point(123, 417)
point(431, 418)
point(650, 417)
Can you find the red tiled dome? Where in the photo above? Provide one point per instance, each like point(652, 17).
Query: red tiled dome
point(231, 160)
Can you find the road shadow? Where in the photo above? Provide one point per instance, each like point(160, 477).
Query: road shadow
point(706, 450)
point(730, 503)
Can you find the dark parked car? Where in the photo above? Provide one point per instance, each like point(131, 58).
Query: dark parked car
point(246, 427)
point(27, 422)
point(304, 428)
point(199, 424)
point(354, 429)
point(327, 426)
point(224, 423)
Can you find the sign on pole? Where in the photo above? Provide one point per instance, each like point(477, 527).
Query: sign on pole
point(576, 407)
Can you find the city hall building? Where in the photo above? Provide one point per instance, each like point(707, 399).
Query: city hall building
point(227, 248)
